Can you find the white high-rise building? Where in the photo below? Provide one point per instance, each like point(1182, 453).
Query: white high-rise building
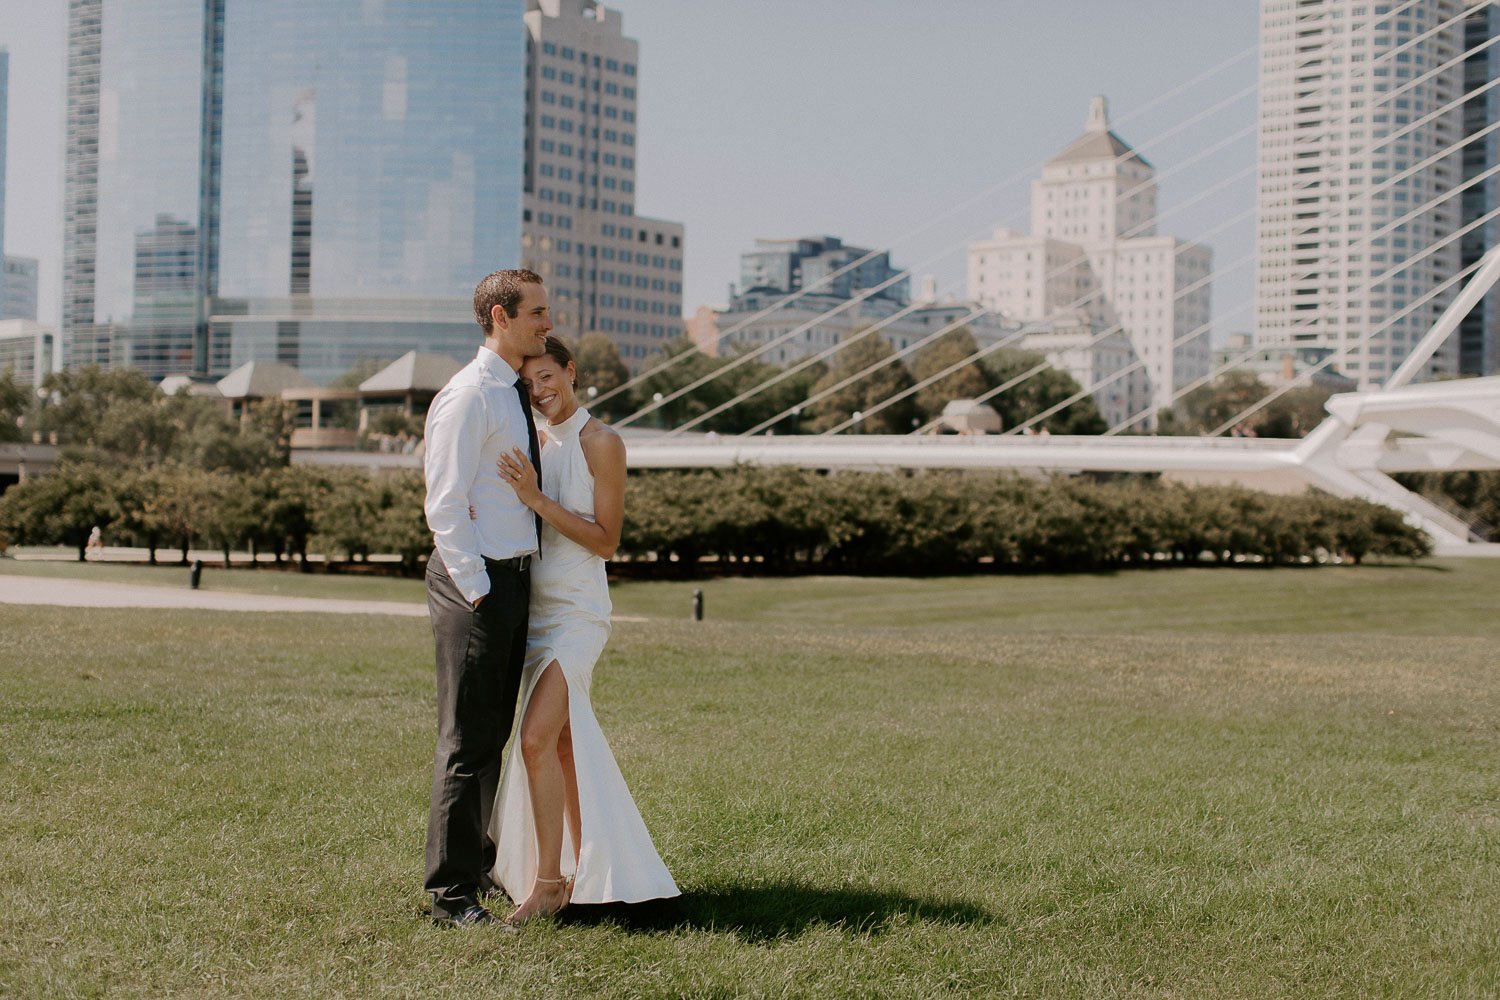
point(1360, 120)
point(607, 269)
point(1093, 247)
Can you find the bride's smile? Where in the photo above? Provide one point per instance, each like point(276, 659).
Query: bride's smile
point(550, 386)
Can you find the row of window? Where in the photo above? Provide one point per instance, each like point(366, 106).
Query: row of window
point(656, 330)
point(605, 205)
point(609, 87)
point(611, 230)
point(610, 301)
point(568, 54)
point(565, 174)
point(608, 159)
point(566, 125)
point(624, 233)
point(640, 305)
point(609, 110)
point(637, 281)
point(593, 180)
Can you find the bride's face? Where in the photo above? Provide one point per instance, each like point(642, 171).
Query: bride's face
point(550, 385)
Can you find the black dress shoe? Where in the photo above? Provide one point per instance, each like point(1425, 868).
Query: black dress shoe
point(471, 916)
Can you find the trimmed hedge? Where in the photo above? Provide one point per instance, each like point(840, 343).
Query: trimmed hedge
point(793, 520)
point(746, 518)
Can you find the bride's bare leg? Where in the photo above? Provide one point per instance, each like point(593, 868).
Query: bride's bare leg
point(570, 788)
point(546, 716)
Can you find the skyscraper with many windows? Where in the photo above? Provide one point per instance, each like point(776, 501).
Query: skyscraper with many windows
point(311, 183)
point(1479, 333)
point(18, 284)
point(609, 270)
point(1362, 122)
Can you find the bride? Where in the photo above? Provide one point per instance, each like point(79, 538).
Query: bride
point(568, 782)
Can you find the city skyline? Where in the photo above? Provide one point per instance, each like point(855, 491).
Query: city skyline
point(743, 164)
point(233, 195)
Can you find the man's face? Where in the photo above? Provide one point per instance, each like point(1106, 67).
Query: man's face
point(525, 333)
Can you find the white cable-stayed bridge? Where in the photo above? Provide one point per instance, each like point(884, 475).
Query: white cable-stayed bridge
point(1397, 427)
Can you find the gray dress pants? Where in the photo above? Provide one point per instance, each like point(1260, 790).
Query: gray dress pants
point(480, 653)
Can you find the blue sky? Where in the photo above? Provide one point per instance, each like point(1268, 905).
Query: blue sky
point(867, 120)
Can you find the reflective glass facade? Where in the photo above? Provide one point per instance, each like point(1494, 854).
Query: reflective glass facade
point(371, 149)
point(310, 168)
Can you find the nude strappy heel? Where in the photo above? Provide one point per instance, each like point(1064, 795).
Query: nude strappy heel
point(566, 882)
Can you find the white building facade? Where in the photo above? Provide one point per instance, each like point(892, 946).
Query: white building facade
point(1361, 119)
point(1093, 247)
point(19, 293)
point(607, 269)
point(28, 350)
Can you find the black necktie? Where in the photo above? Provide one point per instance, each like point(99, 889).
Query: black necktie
point(532, 446)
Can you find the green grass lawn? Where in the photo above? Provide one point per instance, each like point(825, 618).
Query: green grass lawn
point(1436, 597)
point(1207, 783)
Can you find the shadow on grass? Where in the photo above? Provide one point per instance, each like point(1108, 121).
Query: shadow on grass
point(765, 911)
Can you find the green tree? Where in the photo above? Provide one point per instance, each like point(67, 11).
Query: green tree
point(1294, 414)
point(61, 508)
point(297, 493)
point(210, 440)
point(689, 366)
point(1209, 406)
point(182, 508)
point(400, 525)
point(233, 512)
point(601, 368)
point(393, 423)
point(344, 517)
point(118, 415)
point(103, 408)
point(134, 489)
point(15, 401)
point(865, 393)
point(767, 395)
point(1038, 392)
point(966, 382)
point(1473, 495)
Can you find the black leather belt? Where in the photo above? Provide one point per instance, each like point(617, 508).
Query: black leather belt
point(517, 563)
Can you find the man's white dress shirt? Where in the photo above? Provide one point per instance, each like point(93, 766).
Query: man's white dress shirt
point(475, 419)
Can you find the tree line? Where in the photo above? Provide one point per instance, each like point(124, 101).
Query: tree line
point(811, 392)
point(176, 472)
point(964, 522)
point(745, 518)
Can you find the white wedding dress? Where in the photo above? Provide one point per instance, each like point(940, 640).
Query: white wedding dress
point(570, 611)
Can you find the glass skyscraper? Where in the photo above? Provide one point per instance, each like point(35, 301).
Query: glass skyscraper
point(315, 182)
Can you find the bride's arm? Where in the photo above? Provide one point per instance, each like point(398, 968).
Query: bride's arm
point(605, 453)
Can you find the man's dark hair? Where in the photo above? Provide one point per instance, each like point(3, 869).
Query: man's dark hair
point(503, 289)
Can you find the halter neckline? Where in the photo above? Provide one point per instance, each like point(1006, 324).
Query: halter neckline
point(571, 426)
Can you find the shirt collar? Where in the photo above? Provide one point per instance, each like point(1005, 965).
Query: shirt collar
point(493, 364)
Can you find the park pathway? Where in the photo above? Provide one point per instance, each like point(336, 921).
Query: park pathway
point(91, 594)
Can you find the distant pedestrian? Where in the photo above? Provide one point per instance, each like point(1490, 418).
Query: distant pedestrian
point(95, 543)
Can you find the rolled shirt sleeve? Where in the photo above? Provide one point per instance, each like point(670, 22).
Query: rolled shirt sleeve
point(456, 430)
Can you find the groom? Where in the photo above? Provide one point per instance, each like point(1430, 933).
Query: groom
point(478, 584)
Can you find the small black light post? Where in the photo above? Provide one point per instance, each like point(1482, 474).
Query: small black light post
point(195, 574)
point(697, 605)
